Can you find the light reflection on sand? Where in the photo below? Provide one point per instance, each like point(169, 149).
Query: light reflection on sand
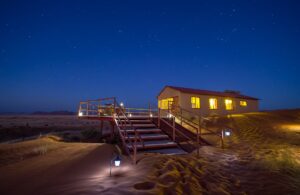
point(291, 127)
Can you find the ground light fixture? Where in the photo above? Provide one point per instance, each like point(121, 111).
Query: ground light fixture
point(116, 161)
point(226, 132)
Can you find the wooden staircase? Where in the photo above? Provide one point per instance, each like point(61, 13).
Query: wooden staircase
point(152, 139)
point(148, 130)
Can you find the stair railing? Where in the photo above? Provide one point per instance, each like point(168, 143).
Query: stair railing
point(121, 118)
point(178, 113)
point(175, 131)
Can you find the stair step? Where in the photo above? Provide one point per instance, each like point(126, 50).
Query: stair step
point(137, 117)
point(138, 121)
point(149, 146)
point(141, 131)
point(151, 137)
point(141, 125)
point(168, 151)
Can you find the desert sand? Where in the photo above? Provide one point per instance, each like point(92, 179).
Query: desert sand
point(261, 157)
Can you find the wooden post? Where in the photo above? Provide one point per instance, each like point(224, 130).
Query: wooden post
point(222, 139)
point(158, 122)
point(198, 145)
point(199, 126)
point(174, 128)
point(198, 135)
point(135, 148)
point(180, 116)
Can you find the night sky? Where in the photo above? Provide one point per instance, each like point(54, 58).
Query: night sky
point(55, 53)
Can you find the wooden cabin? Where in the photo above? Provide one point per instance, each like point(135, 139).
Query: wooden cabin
point(206, 103)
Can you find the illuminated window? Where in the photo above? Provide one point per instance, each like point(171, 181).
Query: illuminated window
point(213, 103)
point(195, 101)
point(243, 103)
point(165, 103)
point(228, 104)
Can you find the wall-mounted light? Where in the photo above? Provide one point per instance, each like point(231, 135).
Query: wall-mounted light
point(80, 114)
point(151, 115)
point(130, 115)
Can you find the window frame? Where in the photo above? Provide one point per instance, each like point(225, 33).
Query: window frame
point(243, 105)
point(164, 103)
point(197, 106)
point(228, 99)
point(216, 103)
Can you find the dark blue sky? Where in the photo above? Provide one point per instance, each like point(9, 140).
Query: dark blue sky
point(55, 53)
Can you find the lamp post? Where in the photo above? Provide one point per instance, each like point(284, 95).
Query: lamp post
point(116, 161)
point(225, 133)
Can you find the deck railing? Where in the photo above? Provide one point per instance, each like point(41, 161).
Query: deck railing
point(109, 107)
point(97, 108)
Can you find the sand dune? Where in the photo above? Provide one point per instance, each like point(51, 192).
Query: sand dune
point(261, 157)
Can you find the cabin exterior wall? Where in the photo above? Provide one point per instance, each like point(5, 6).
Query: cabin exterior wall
point(184, 101)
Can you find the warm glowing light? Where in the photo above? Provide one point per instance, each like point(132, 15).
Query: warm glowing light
point(195, 101)
point(165, 103)
point(243, 103)
point(80, 114)
point(130, 115)
point(170, 115)
point(213, 103)
point(151, 115)
point(291, 127)
point(228, 104)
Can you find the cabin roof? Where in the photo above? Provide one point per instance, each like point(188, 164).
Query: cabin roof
point(208, 92)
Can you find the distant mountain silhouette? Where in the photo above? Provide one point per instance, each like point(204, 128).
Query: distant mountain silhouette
point(62, 112)
point(13, 113)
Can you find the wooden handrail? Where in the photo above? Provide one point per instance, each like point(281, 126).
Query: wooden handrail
point(185, 136)
point(137, 136)
point(179, 115)
point(190, 121)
